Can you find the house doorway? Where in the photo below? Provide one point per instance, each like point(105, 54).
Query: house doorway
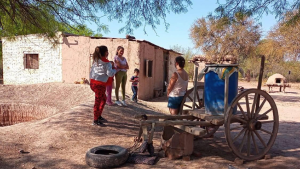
point(166, 69)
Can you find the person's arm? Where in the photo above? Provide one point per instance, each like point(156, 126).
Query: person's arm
point(118, 63)
point(132, 79)
point(126, 67)
point(120, 66)
point(172, 83)
point(110, 71)
point(112, 64)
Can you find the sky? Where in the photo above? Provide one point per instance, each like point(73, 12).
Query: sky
point(179, 29)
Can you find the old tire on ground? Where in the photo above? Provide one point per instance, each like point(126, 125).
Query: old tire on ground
point(106, 156)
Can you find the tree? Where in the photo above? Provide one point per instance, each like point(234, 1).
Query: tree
point(281, 48)
point(287, 37)
point(258, 8)
point(80, 30)
point(37, 16)
point(220, 37)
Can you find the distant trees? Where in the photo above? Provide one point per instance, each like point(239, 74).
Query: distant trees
point(187, 54)
point(287, 37)
point(219, 37)
point(239, 35)
point(282, 49)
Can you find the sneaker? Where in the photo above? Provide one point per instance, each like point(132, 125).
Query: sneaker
point(123, 102)
point(98, 123)
point(118, 103)
point(101, 119)
point(132, 100)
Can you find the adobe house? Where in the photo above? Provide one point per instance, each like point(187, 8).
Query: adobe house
point(34, 59)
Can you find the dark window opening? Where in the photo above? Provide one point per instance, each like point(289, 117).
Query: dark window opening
point(31, 61)
point(278, 80)
point(149, 68)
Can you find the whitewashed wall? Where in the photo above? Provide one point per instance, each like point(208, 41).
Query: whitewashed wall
point(50, 60)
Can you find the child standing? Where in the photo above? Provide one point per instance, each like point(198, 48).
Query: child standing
point(177, 86)
point(135, 80)
point(109, 90)
point(99, 78)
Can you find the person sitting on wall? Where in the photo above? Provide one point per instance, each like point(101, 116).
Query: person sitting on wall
point(177, 86)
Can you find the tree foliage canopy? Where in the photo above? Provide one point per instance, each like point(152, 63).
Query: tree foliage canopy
point(287, 37)
point(259, 7)
point(281, 48)
point(40, 16)
point(220, 37)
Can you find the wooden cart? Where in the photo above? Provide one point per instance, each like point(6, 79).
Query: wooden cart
point(250, 132)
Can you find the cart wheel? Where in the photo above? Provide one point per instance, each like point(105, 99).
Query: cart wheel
point(251, 130)
point(187, 100)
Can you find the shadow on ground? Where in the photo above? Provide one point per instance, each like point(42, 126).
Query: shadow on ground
point(62, 140)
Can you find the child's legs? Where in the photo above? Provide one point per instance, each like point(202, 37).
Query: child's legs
point(136, 92)
point(133, 88)
point(118, 83)
point(108, 93)
point(100, 99)
point(124, 80)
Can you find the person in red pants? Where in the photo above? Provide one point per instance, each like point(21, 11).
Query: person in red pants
point(109, 87)
point(101, 70)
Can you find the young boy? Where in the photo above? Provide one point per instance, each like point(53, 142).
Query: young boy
point(135, 80)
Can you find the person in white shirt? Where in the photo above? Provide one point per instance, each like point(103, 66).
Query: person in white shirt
point(177, 86)
point(121, 75)
point(100, 74)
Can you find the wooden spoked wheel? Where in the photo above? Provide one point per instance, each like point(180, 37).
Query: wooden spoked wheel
point(251, 124)
point(187, 101)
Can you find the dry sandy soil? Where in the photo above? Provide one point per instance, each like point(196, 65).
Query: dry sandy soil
point(61, 140)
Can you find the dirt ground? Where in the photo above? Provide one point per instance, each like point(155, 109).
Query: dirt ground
point(61, 140)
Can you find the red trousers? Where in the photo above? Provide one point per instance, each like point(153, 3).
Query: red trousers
point(100, 99)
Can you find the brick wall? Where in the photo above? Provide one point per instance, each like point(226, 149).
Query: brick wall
point(14, 72)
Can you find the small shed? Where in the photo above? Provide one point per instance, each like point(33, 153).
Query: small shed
point(32, 59)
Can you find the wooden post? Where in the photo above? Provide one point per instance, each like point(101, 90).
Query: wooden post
point(226, 90)
point(195, 87)
point(261, 72)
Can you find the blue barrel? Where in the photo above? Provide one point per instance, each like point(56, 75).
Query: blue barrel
point(214, 88)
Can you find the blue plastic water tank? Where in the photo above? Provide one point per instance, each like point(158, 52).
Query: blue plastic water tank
point(214, 88)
